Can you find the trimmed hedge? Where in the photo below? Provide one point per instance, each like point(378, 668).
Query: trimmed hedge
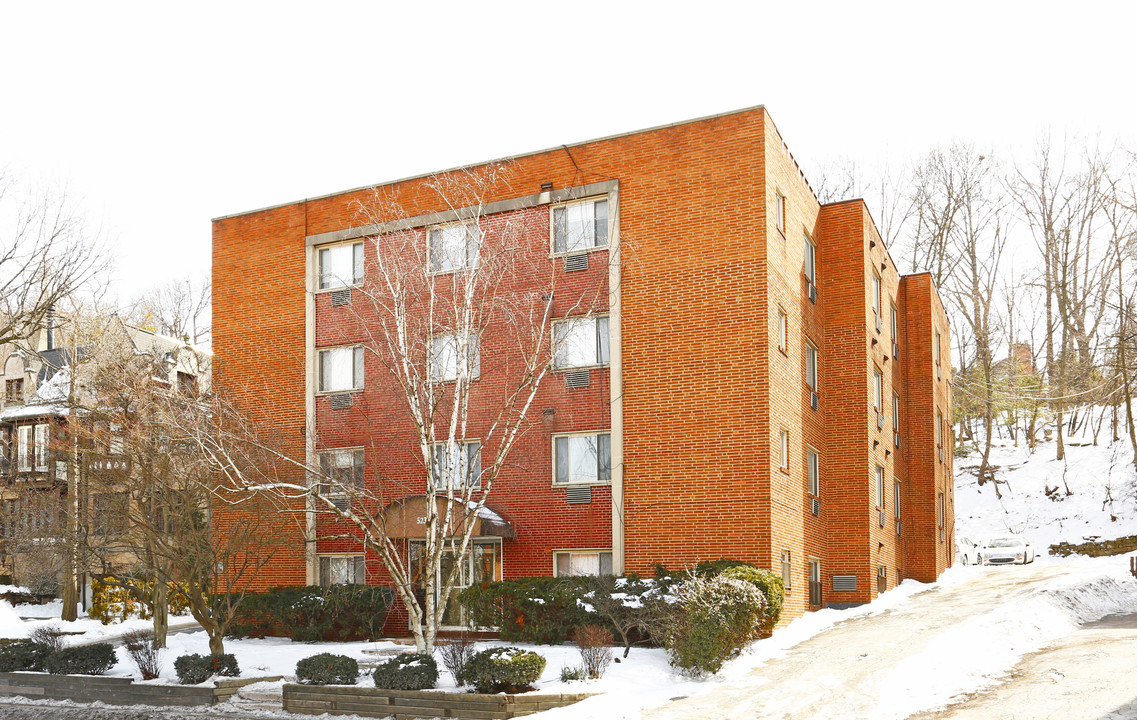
point(507, 669)
point(82, 660)
point(194, 669)
point(23, 655)
point(327, 669)
point(712, 621)
point(314, 613)
point(407, 671)
point(542, 611)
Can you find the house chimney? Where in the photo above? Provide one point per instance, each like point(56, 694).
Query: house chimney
point(50, 322)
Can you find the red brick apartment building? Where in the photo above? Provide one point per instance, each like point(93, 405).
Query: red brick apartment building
point(771, 388)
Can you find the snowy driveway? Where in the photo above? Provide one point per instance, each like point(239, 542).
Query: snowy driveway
point(946, 644)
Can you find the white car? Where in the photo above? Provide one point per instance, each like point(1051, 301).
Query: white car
point(1006, 550)
point(966, 551)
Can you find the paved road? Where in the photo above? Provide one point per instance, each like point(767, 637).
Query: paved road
point(907, 660)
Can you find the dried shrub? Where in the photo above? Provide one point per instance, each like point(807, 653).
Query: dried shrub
point(50, 635)
point(595, 645)
point(456, 652)
point(147, 658)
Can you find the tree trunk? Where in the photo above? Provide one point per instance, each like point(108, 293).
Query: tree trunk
point(161, 604)
point(216, 642)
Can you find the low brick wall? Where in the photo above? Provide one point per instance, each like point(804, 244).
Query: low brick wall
point(117, 691)
point(407, 704)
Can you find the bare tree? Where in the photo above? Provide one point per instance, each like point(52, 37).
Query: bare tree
point(179, 309)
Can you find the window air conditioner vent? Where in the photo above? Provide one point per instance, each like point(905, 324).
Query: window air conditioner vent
point(341, 401)
point(578, 494)
point(577, 378)
point(341, 502)
point(576, 263)
point(813, 293)
point(880, 421)
point(815, 506)
point(844, 583)
point(813, 400)
point(341, 297)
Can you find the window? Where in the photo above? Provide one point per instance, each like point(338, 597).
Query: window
point(810, 264)
point(881, 578)
point(780, 211)
point(14, 390)
point(453, 247)
point(582, 458)
point(815, 583)
point(41, 448)
point(341, 470)
point(895, 412)
point(811, 366)
point(936, 355)
point(894, 326)
point(787, 569)
point(342, 570)
point(876, 297)
point(784, 450)
point(580, 226)
point(448, 354)
point(341, 369)
point(939, 429)
point(24, 448)
point(580, 342)
point(482, 564)
point(187, 383)
point(783, 329)
point(576, 564)
point(879, 486)
point(341, 265)
point(813, 472)
point(109, 513)
point(940, 511)
point(877, 390)
point(459, 468)
point(896, 499)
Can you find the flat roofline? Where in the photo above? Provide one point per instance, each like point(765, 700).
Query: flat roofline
point(554, 148)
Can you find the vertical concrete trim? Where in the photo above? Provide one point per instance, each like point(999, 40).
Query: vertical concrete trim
point(311, 568)
point(616, 381)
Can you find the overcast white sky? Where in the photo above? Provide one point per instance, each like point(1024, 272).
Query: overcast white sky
point(159, 116)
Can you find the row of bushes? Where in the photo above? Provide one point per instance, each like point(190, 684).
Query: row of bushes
point(30, 655)
point(703, 616)
point(314, 613)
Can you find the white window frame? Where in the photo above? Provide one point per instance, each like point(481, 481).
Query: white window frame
point(783, 329)
point(787, 569)
point(784, 449)
point(878, 390)
point(811, 361)
point(896, 412)
point(880, 487)
point(561, 213)
point(327, 355)
point(813, 472)
point(896, 499)
point(939, 429)
point(469, 475)
point(357, 467)
point(328, 279)
point(876, 300)
point(809, 262)
point(894, 323)
point(570, 554)
point(41, 443)
point(940, 510)
point(938, 355)
point(573, 326)
point(461, 245)
point(780, 211)
point(444, 353)
point(564, 440)
point(25, 449)
point(358, 567)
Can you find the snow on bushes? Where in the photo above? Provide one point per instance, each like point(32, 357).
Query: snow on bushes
point(193, 669)
point(712, 620)
point(407, 671)
point(327, 669)
point(503, 669)
point(93, 659)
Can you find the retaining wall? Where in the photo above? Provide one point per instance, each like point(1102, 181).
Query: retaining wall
point(407, 704)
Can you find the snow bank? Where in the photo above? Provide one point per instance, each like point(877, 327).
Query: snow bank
point(11, 626)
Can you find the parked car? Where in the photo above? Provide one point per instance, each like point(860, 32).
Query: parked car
point(966, 551)
point(1006, 550)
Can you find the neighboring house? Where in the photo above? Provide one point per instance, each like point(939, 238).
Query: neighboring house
point(761, 384)
point(38, 453)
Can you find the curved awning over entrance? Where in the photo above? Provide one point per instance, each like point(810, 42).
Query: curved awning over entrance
point(406, 519)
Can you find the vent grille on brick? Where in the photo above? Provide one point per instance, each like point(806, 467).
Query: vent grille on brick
point(575, 263)
point(578, 493)
point(341, 401)
point(577, 378)
point(341, 297)
point(844, 583)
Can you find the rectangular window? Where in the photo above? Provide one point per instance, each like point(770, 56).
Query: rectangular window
point(813, 472)
point(342, 570)
point(815, 583)
point(893, 324)
point(940, 510)
point(341, 369)
point(939, 429)
point(580, 342)
point(109, 513)
point(879, 486)
point(876, 306)
point(877, 390)
point(341, 266)
point(459, 468)
point(810, 264)
point(787, 569)
point(587, 563)
point(582, 458)
point(784, 450)
point(811, 366)
point(780, 211)
point(14, 391)
point(895, 412)
point(783, 330)
point(24, 448)
point(580, 226)
point(342, 470)
point(896, 498)
point(453, 247)
point(448, 353)
point(482, 564)
point(936, 353)
point(41, 448)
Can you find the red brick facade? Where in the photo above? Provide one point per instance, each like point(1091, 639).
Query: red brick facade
point(699, 391)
